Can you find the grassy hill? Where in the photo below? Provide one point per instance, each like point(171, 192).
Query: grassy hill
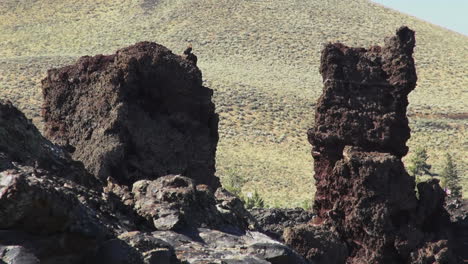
point(261, 57)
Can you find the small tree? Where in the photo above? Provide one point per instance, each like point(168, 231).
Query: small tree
point(418, 164)
point(450, 179)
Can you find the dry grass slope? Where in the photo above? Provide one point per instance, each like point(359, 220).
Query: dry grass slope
point(260, 56)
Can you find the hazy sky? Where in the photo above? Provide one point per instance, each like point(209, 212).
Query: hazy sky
point(451, 14)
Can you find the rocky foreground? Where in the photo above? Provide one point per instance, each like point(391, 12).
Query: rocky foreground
point(126, 173)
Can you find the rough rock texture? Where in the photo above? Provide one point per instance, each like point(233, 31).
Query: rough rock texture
point(200, 246)
point(458, 210)
point(363, 191)
point(213, 246)
point(52, 211)
point(273, 221)
point(318, 244)
point(138, 114)
point(17, 255)
point(48, 210)
point(21, 143)
point(135, 248)
point(173, 202)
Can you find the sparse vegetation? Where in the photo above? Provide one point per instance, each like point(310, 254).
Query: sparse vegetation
point(262, 62)
point(450, 179)
point(254, 201)
point(307, 204)
point(233, 182)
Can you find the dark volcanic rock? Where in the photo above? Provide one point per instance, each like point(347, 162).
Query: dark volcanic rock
point(17, 255)
point(217, 247)
point(365, 97)
point(139, 114)
point(458, 210)
point(21, 143)
point(362, 189)
point(173, 202)
point(53, 211)
point(273, 221)
point(48, 211)
point(135, 248)
point(318, 244)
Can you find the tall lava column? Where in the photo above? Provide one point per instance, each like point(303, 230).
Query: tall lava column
point(359, 138)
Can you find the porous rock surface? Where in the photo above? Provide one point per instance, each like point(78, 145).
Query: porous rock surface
point(273, 221)
point(458, 210)
point(54, 209)
point(318, 244)
point(138, 114)
point(364, 196)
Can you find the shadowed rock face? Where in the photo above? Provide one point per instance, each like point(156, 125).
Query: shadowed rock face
point(21, 143)
point(459, 215)
point(363, 194)
point(138, 114)
point(51, 209)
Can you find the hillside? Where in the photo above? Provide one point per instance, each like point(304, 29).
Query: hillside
point(261, 58)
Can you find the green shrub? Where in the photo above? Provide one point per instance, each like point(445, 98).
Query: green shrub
point(254, 201)
point(307, 204)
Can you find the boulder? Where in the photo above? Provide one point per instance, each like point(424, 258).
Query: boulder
point(174, 202)
point(138, 114)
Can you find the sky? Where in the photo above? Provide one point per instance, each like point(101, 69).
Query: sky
point(450, 14)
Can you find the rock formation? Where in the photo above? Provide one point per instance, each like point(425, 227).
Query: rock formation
point(138, 114)
point(364, 195)
point(132, 118)
point(128, 128)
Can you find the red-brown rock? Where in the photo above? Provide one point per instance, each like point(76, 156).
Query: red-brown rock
point(138, 114)
point(362, 189)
